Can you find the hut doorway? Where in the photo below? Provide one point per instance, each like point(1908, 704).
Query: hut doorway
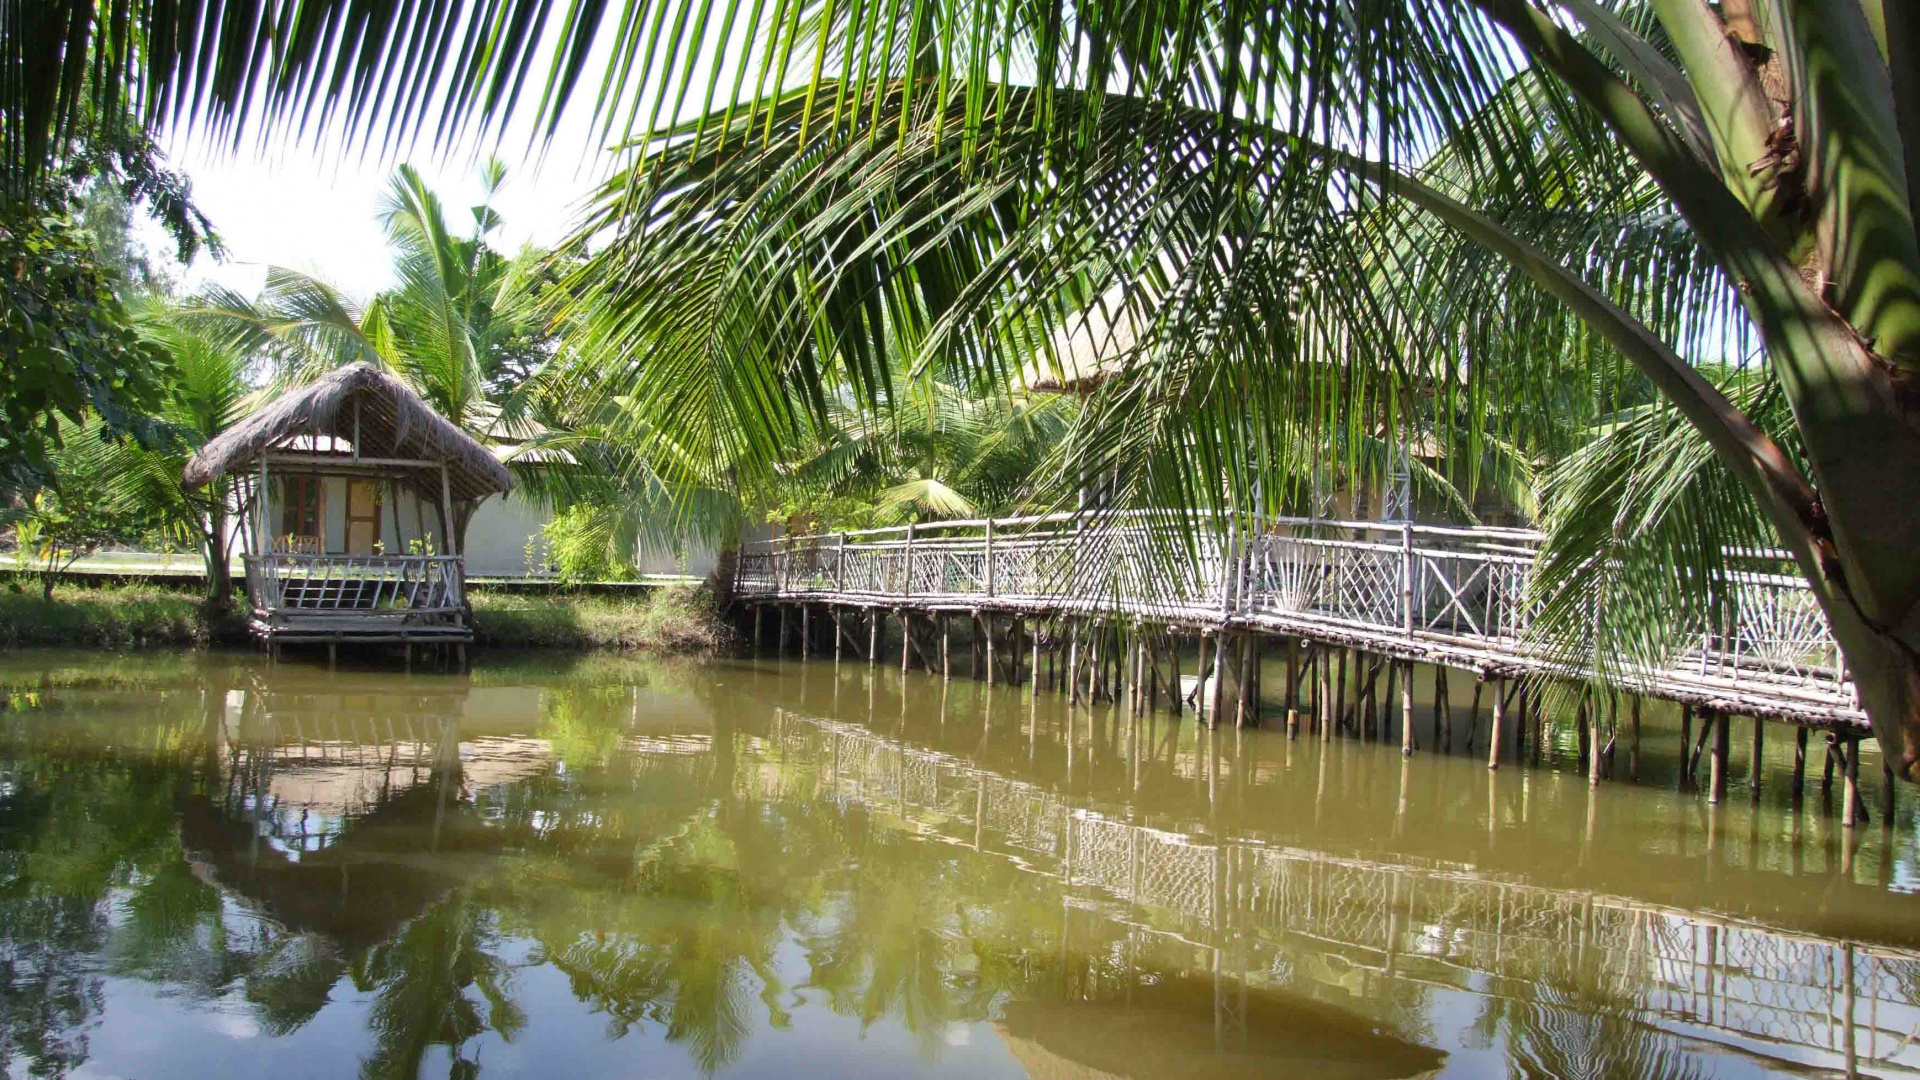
point(363, 515)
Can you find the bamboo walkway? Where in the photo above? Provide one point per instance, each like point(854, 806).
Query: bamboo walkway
point(1454, 597)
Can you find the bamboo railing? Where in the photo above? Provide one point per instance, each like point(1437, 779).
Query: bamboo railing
point(1446, 595)
point(357, 595)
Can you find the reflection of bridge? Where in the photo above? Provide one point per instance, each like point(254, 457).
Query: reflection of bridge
point(1449, 596)
point(1789, 997)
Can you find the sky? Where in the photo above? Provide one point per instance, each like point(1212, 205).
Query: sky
point(314, 209)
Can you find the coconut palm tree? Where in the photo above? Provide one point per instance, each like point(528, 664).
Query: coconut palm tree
point(824, 186)
point(455, 318)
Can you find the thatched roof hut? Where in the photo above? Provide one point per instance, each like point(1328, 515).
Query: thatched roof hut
point(359, 412)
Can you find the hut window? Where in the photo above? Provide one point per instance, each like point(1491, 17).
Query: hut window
point(300, 508)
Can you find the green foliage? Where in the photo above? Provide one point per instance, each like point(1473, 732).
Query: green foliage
point(68, 347)
point(579, 543)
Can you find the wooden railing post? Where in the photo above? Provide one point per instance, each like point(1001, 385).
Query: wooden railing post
point(906, 583)
point(989, 556)
point(1406, 579)
point(839, 572)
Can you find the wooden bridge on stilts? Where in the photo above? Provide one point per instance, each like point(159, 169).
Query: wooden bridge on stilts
point(1098, 607)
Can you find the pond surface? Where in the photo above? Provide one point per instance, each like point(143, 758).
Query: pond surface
point(592, 867)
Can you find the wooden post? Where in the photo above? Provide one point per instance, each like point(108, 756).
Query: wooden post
point(906, 582)
point(1093, 662)
point(946, 647)
point(986, 622)
point(1173, 658)
point(839, 635)
point(1499, 714)
point(1443, 710)
point(1033, 659)
point(1244, 683)
point(1216, 698)
point(759, 638)
point(873, 637)
point(1595, 755)
point(782, 648)
point(1406, 710)
point(1799, 766)
point(1850, 794)
point(1293, 687)
point(1200, 678)
point(1340, 686)
point(1633, 744)
point(806, 616)
point(989, 563)
point(1685, 779)
point(1754, 767)
point(906, 634)
point(1073, 665)
point(1722, 731)
point(1888, 802)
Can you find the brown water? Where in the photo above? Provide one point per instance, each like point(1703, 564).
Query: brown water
point(593, 867)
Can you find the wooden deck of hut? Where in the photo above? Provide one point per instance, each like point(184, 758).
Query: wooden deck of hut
point(304, 585)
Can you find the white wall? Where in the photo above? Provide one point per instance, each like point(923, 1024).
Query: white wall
point(498, 534)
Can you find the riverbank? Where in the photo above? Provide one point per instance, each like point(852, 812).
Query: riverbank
point(675, 620)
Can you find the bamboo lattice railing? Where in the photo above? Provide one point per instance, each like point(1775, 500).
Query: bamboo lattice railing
point(1448, 595)
point(371, 595)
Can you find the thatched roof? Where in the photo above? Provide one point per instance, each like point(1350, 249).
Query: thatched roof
point(393, 423)
point(1089, 349)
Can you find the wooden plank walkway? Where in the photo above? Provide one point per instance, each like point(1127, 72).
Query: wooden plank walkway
point(1454, 597)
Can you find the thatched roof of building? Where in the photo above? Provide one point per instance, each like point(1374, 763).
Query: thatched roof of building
point(392, 422)
point(1088, 350)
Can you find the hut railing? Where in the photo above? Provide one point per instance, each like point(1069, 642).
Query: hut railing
point(1461, 588)
point(397, 587)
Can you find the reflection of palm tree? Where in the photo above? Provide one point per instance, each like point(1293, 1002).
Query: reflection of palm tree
point(422, 979)
point(681, 944)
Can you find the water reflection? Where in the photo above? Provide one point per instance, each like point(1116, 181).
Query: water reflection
point(755, 870)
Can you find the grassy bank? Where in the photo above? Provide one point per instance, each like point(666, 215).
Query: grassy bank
point(670, 620)
point(678, 619)
point(105, 617)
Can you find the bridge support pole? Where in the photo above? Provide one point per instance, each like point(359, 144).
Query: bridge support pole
point(1717, 763)
point(1799, 767)
point(1755, 766)
point(839, 634)
point(1685, 778)
point(946, 647)
point(1293, 688)
point(1596, 756)
point(873, 637)
point(781, 648)
point(1033, 658)
point(1073, 664)
point(1406, 710)
point(806, 617)
point(986, 621)
point(1216, 698)
point(1633, 736)
point(1173, 659)
point(1499, 714)
point(906, 638)
point(759, 638)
